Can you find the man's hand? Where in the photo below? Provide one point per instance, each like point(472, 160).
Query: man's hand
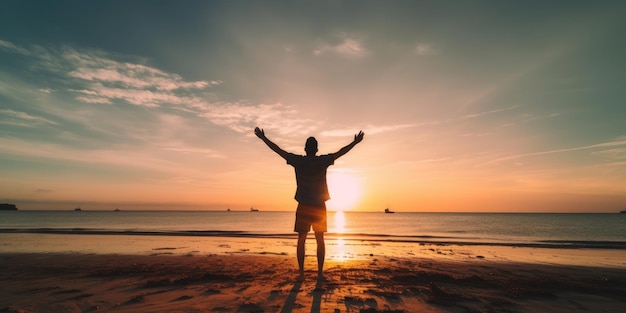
point(259, 133)
point(358, 137)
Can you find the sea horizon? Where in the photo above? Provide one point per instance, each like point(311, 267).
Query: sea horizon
point(328, 210)
point(518, 229)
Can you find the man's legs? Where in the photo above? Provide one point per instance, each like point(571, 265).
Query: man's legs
point(321, 253)
point(308, 216)
point(300, 252)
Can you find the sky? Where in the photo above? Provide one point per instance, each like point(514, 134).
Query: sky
point(479, 106)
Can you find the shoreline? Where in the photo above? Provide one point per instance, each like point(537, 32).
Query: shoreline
point(424, 239)
point(83, 282)
point(336, 248)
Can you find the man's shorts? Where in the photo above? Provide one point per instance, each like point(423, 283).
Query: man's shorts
point(308, 216)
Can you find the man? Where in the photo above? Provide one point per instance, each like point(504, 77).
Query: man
point(311, 192)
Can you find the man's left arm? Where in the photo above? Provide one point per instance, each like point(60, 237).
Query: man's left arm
point(357, 138)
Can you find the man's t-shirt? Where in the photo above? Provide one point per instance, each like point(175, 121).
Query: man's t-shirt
point(311, 177)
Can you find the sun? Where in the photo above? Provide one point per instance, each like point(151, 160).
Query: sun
point(345, 190)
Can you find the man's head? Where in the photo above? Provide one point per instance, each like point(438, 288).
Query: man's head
point(311, 146)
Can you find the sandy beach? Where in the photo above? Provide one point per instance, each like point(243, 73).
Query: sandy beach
point(165, 281)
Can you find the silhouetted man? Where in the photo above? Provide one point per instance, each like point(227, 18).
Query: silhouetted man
point(311, 192)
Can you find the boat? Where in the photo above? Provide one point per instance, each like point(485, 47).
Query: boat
point(623, 211)
point(228, 210)
point(7, 207)
point(387, 211)
point(78, 209)
point(252, 209)
point(116, 210)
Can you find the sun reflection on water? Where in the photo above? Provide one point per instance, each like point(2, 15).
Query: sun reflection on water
point(341, 253)
point(339, 248)
point(340, 222)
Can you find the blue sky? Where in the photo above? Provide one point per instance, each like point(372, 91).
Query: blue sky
point(466, 105)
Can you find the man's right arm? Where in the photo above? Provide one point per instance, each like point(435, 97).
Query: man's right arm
point(261, 134)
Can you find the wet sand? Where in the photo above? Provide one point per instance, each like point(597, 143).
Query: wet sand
point(442, 281)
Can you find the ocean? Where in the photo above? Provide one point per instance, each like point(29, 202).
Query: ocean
point(558, 230)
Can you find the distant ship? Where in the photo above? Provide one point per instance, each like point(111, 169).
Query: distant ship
point(116, 210)
point(252, 209)
point(78, 209)
point(623, 211)
point(389, 211)
point(7, 207)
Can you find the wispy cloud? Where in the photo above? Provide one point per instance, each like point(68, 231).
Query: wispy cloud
point(369, 130)
point(107, 80)
point(612, 154)
point(529, 117)
point(97, 77)
point(242, 118)
point(474, 115)
point(12, 47)
point(347, 46)
point(425, 49)
point(100, 93)
point(130, 75)
point(523, 155)
point(207, 152)
point(22, 119)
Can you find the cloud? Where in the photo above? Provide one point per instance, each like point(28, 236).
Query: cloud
point(612, 154)
point(243, 118)
point(135, 76)
point(528, 117)
point(369, 130)
point(474, 115)
point(348, 47)
point(97, 77)
point(12, 47)
point(94, 100)
point(104, 80)
point(23, 119)
point(206, 152)
point(99, 93)
point(518, 156)
point(425, 49)
point(107, 80)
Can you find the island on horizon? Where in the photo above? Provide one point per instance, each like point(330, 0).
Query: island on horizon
point(8, 207)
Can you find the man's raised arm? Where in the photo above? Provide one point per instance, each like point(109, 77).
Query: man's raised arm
point(357, 138)
point(261, 134)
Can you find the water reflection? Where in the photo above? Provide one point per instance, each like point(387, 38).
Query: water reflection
point(341, 243)
point(341, 253)
point(340, 222)
point(339, 247)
